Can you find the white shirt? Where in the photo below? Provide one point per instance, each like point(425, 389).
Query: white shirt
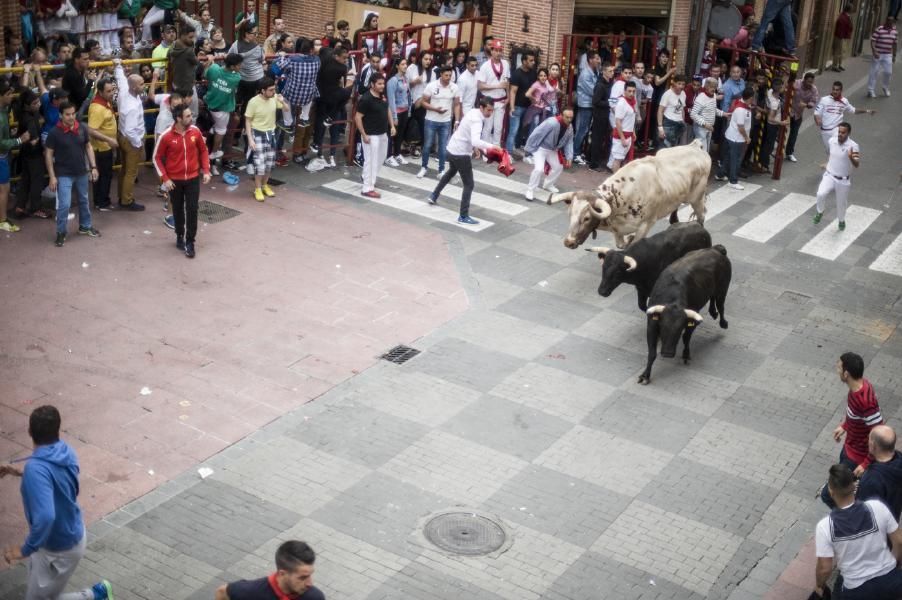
point(673, 105)
point(468, 134)
point(487, 75)
point(131, 111)
point(832, 111)
point(627, 113)
point(466, 83)
point(441, 96)
point(839, 163)
point(416, 91)
point(860, 558)
point(741, 117)
point(616, 92)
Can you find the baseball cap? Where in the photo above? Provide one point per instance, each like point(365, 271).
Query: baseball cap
point(58, 93)
point(496, 45)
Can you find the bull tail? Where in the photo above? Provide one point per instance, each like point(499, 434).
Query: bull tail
point(720, 249)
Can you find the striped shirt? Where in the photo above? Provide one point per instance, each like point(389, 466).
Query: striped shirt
point(883, 39)
point(831, 111)
point(862, 415)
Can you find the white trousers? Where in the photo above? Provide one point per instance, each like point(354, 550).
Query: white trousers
point(493, 129)
point(374, 154)
point(884, 63)
point(618, 151)
point(49, 572)
point(154, 16)
point(542, 156)
point(826, 134)
point(839, 187)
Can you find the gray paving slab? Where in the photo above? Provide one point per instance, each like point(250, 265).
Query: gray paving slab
point(773, 415)
point(512, 267)
point(548, 309)
point(593, 359)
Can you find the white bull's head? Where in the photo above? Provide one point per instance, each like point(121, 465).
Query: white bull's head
point(587, 213)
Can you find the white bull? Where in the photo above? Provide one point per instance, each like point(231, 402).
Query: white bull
point(645, 190)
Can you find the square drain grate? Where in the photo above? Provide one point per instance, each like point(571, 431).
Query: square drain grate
point(794, 297)
point(210, 212)
point(400, 354)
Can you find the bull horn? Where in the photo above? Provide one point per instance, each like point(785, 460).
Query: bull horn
point(600, 249)
point(600, 209)
point(693, 315)
point(655, 310)
point(631, 263)
point(562, 197)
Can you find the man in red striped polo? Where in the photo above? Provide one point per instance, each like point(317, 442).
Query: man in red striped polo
point(862, 415)
point(883, 48)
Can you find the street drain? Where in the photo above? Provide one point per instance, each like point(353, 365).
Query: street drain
point(794, 297)
point(210, 212)
point(400, 354)
point(465, 533)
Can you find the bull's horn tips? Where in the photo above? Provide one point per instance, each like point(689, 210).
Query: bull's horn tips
point(653, 310)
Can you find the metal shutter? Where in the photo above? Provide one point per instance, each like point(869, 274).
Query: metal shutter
point(623, 8)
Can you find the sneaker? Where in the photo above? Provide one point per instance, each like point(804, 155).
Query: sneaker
point(529, 160)
point(886, 92)
point(331, 162)
point(314, 148)
point(214, 170)
point(551, 188)
point(169, 221)
point(433, 200)
point(298, 159)
point(258, 195)
point(817, 217)
point(371, 194)
point(268, 190)
point(7, 226)
point(217, 154)
point(871, 94)
point(792, 158)
point(439, 174)
point(180, 242)
point(133, 207)
point(401, 160)
point(580, 160)
point(529, 195)
point(842, 225)
point(720, 178)
point(391, 162)
point(189, 249)
point(467, 220)
point(737, 186)
point(88, 231)
point(104, 207)
point(327, 121)
point(304, 122)
point(358, 162)
point(421, 173)
point(416, 153)
point(103, 590)
point(60, 240)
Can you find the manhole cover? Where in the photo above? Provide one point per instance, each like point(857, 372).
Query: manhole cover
point(794, 297)
point(400, 354)
point(210, 212)
point(465, 533)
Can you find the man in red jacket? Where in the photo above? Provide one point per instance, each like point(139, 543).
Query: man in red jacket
point(862, 415)
point(180, 157)
point(842, 32)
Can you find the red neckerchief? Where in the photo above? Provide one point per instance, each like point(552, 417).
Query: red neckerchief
point(552, 82)
point(99, 100)
point(73, 129)
point(499, 71)
point(277, 590)
point(739, 104)
point(631, 102)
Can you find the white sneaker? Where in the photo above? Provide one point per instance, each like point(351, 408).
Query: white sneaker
point(529, 195)
point(886, 92)
point(331, 162)
point(391, 162)
point(528, 160)
point(580, 160)
point(792, 158)
point(737, 186)
point(439, 174)
point(551, 188)
point(401, 160)
point(215, 155)
point(421, 173)
point(871, 94)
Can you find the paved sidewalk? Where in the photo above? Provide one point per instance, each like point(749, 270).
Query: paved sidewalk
point(523, 403)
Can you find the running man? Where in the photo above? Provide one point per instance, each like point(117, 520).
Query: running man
point(844, 154)
point(829, 113)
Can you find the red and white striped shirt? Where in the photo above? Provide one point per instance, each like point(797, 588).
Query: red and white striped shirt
point(883, 39)
point(862, 415)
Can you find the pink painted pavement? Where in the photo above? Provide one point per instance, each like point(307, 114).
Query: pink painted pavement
point(282, 303)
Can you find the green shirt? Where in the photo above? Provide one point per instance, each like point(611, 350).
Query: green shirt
point(166, 4)
point(7, 143)
point(221, 86)
point(129, 9)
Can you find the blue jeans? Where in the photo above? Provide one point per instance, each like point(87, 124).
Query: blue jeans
point(583, 120)
point(730, 159)
point(64, 200)
point(673, 132)
point(430, 130)
point(513, 127)
point(774, 9)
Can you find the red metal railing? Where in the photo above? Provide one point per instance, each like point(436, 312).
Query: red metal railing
point(405, 34)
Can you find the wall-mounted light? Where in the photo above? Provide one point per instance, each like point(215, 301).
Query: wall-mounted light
point(525, 23)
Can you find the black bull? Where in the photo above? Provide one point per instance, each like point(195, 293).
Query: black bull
point(701, 277)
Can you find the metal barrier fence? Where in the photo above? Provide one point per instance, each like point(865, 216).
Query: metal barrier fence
point(413, 34)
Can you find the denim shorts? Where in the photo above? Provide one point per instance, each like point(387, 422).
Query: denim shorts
point(4, 169)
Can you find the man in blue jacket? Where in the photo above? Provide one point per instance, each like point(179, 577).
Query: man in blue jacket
point(553, 136)
point(585, 88)
point(56, 532)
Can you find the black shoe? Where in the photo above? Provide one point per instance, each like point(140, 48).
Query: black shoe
point(104, 207)
point(179, 242)
point(133, 207)
point(189, 249)
point(60, 240)
point(89, 231)
point(304, 123)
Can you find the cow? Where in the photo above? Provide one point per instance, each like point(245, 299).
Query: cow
point(644, 260)
point(645, 190)
point(683, 289)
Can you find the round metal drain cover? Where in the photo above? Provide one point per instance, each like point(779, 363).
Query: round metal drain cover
point(465, 533)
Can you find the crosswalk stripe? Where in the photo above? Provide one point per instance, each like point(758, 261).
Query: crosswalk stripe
point(407, 204)
point(831, 242)
point(890, 260)
point(720, 200)
point(452, 191)
point(504, 183)
point(774, 219)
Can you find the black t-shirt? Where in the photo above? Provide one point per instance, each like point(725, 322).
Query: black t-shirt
point(259, 589)
point(523, 80)
point(375, 114)
point(77, 86)
point(331, 77)
point(69, 158)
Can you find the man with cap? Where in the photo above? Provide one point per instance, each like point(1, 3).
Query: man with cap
point(493, 81)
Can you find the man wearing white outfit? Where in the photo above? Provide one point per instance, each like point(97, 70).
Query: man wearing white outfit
point(374, 121)
point(844, 155)
point(626, 74)
point(829, 113)
point(883, 49)
point(624, 127)
point(466, 83)
point(553, 135)
point(493, 80)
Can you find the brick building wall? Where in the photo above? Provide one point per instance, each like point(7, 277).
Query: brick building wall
point(308, 17)
point(549, 20)
point(680, 15)
point(9, 12)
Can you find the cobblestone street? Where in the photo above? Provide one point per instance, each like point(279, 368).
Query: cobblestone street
point(260, 360)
